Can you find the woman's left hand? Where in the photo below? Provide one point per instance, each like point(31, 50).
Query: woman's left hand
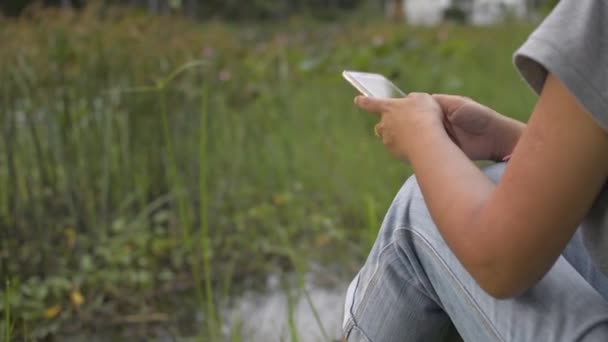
point(403, 120)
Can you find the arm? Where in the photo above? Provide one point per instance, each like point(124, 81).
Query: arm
point(509, 235)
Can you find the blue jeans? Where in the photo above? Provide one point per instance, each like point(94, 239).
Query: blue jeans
point(412, 288)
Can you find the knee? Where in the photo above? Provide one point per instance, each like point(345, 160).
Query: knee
point(409, 204)
point(410, 190)
point(410, 212)
point(407, 211)
point(410, 207)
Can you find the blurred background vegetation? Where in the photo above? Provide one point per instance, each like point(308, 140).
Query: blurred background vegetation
point(227, 9)
point(159, 159)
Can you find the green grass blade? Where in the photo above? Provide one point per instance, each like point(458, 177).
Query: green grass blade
point(203, 200)
point(7, 312)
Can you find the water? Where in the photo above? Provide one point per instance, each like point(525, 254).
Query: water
point(265, 316)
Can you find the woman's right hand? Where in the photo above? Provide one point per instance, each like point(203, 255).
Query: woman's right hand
point(479, 131)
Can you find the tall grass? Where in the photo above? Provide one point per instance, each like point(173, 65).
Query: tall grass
point(213, 322)
point(206, 299)
point(147, 160)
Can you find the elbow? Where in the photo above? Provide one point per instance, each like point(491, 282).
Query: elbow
point(497, 262)
point(501, 279)
point(502, 290)
point(499, 267)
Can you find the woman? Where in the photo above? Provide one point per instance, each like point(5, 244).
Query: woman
point(522, 258)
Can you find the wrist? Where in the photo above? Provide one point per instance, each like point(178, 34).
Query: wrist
point(424, 141)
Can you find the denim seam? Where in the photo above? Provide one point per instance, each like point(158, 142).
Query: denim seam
point(354, 326)
point(462, 289)
point(351, 317)
point(351, 322)
point(348, 327)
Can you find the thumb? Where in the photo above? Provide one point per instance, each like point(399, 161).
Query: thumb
point(370, 104)
point(450, 103)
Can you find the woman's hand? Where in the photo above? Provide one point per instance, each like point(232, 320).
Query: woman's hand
point(402, 121)
point(480, 132)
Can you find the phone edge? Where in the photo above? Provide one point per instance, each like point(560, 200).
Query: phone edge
point(355, 83)
point(362, 88)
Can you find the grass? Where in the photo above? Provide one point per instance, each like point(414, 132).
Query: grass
point(149, 160)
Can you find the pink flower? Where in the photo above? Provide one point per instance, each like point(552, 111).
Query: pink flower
point(208, 52)
point(224, 75)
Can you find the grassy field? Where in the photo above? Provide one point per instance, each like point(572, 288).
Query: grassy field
point(146, 162)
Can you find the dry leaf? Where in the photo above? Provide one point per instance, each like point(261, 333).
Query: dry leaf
point(70, 236)
point(52, 312)
point(76, 298)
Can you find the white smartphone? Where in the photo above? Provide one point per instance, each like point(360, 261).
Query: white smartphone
point(373, 85)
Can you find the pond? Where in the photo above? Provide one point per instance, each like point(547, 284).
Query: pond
point(313, 310)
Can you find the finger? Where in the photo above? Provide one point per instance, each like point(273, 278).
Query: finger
point(370, 104)
point(447, 101)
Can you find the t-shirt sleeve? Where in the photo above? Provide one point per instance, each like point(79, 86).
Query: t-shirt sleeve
point(572, 44)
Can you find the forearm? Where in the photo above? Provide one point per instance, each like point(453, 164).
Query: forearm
point(455, 191)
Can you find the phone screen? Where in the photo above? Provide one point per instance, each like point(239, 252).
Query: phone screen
point(374, 85)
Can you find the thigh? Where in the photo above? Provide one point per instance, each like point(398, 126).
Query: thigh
point(563, 306)
point(413, 288)
point(578, 256)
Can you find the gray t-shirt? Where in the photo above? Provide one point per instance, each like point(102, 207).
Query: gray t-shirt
point(572, 44)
